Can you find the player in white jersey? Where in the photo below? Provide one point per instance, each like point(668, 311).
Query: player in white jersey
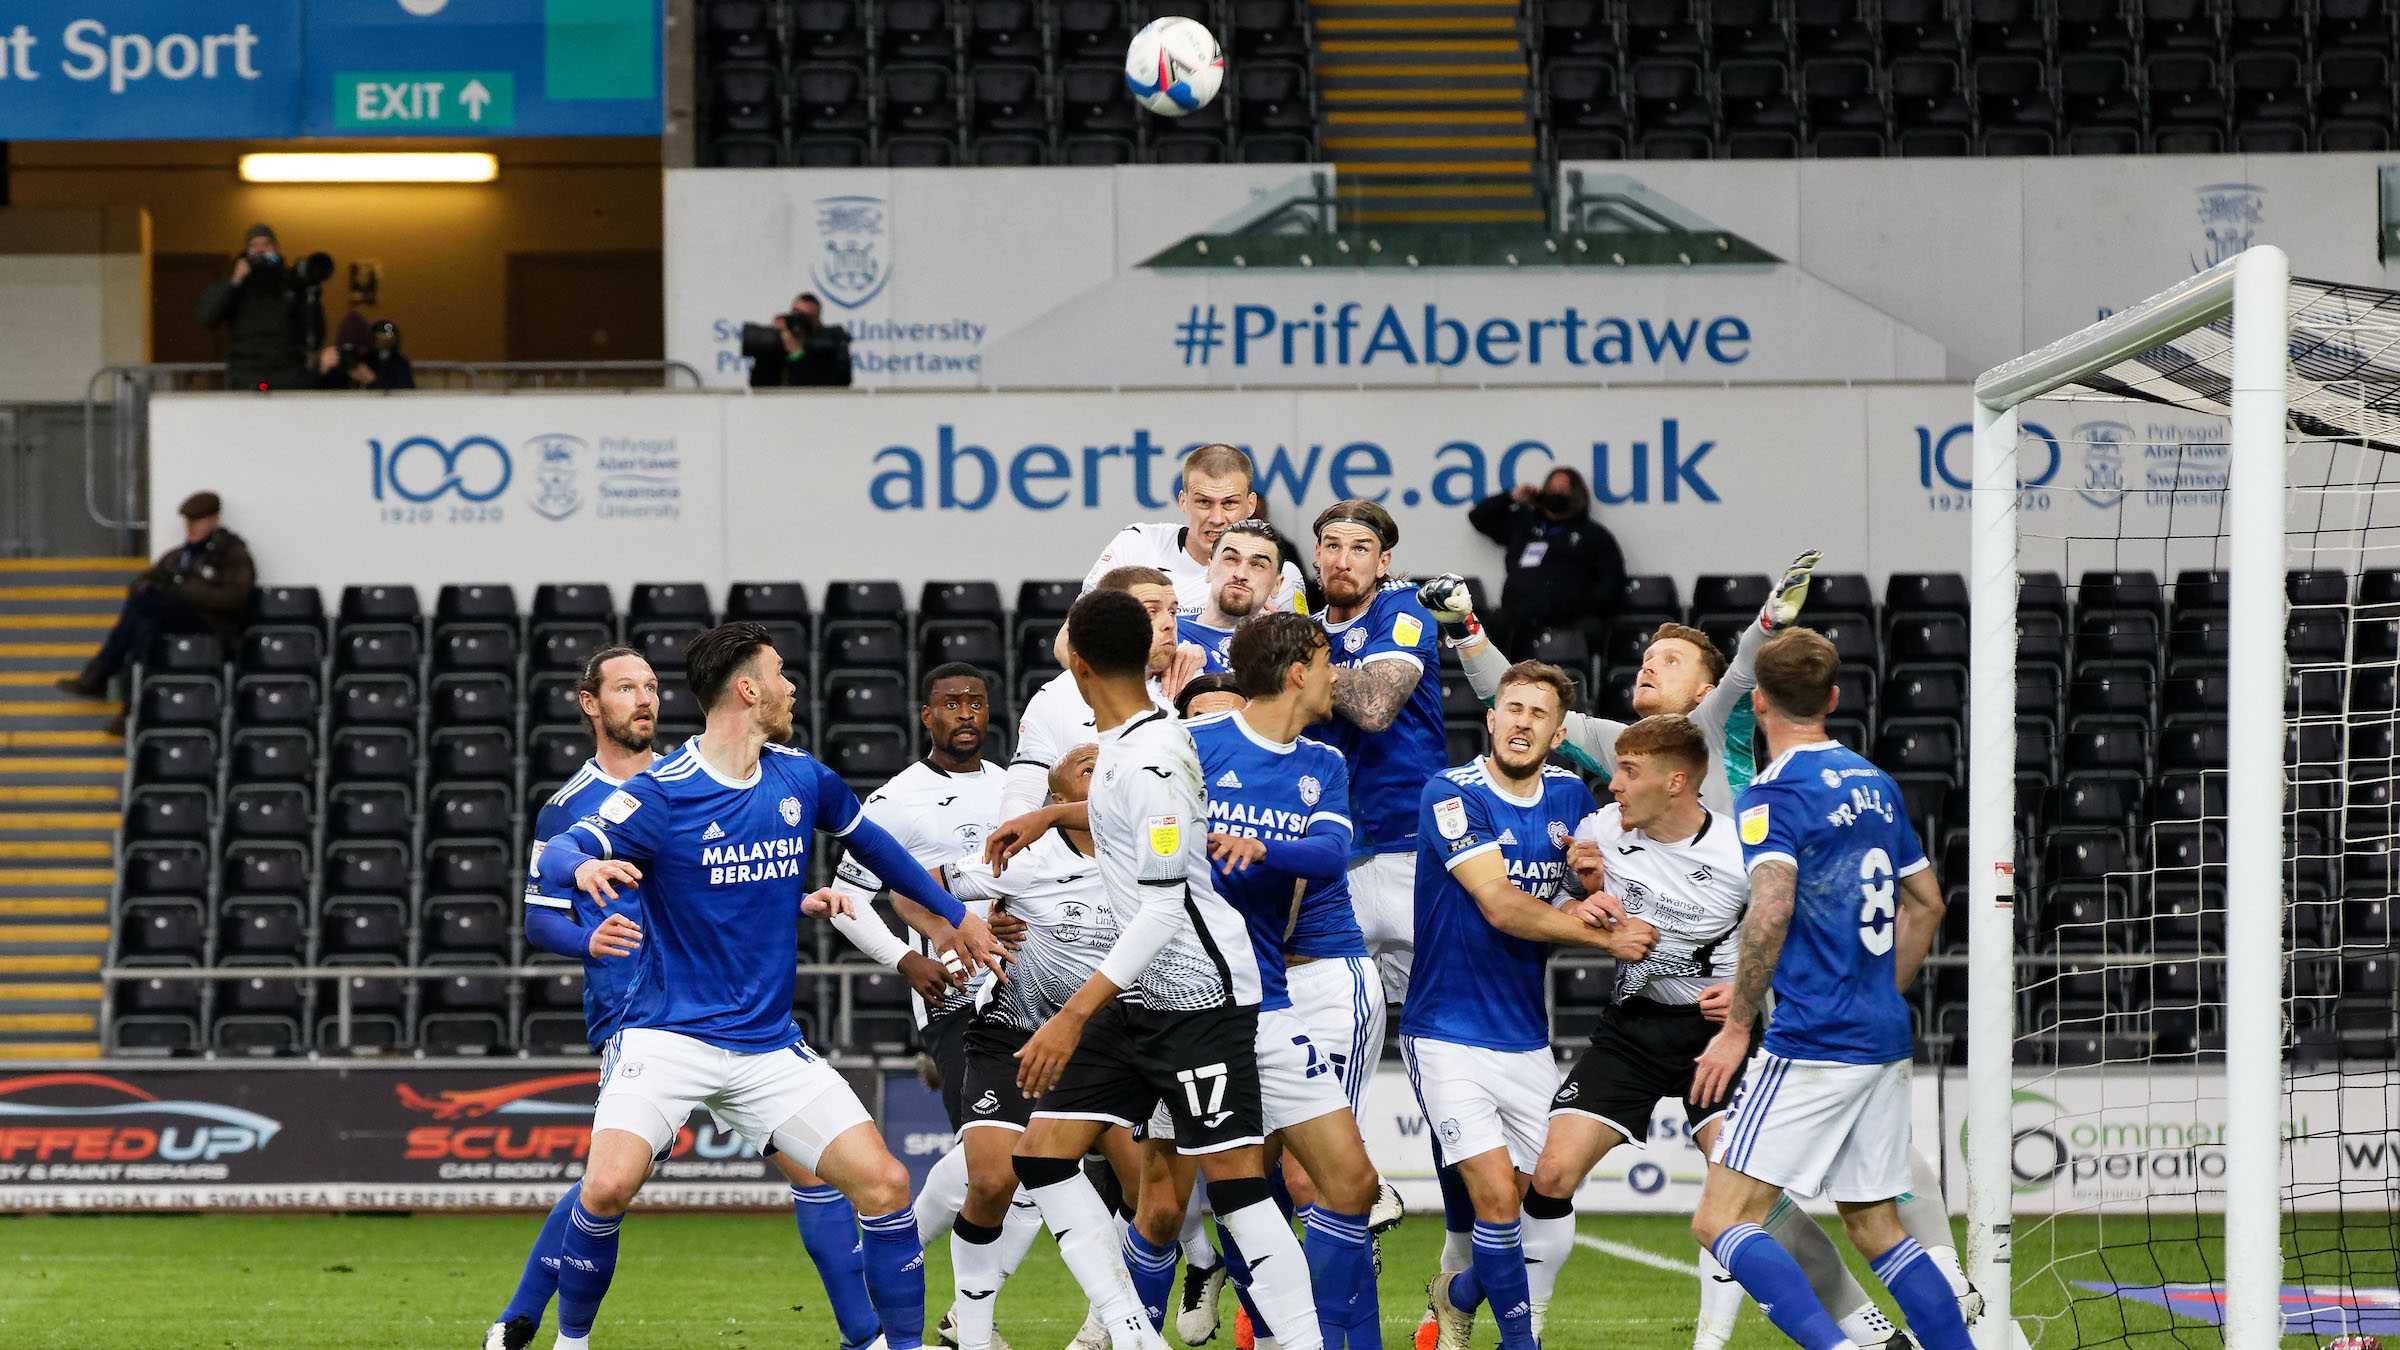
point(1171, 1013)
point(1217, 491)
point(1056, 717)
point(1682, 672)
point(1054, 888)
point(1843, 904)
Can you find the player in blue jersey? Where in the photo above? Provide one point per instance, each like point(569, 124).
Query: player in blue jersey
point(619, 695)
point(1242, 576)
point(1842, 906)
point(723, 829)
point(1493, 837)
point(1387, 697)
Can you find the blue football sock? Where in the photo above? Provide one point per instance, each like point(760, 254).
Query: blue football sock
point(587, 1261)
point(1774, 1280)
point(1341, 1271)
point(1237, 1274)
point(1279, 1191)
point(829, 1229)
point(1924, 1296)
point(1153, 1271)
point(895, 1260)
point(540, 1279)
point(1500, 1271)
point(1458, 1208)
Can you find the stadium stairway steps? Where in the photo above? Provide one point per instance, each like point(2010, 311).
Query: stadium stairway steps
point(1423, 105)
point(61, 787)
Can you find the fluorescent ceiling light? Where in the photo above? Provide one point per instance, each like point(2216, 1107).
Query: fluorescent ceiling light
point(372, 167)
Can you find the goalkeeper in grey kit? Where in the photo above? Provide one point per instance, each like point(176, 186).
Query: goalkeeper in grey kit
point(1683, 672)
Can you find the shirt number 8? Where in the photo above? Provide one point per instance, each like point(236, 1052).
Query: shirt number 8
point(1878, 916)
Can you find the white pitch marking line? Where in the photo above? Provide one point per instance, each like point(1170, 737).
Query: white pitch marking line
point(1639, 1255)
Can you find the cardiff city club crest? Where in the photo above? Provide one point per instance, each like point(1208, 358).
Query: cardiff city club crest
point(853, 260)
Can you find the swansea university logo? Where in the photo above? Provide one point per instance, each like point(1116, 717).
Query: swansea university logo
point(853, 262)
point(553, 456)
point(2103, 462)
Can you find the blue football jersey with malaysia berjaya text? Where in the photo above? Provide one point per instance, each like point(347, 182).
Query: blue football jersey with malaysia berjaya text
point(1263, 789)
point(1473, 984)
point(1389, 768)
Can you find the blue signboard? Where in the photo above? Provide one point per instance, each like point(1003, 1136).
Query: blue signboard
point(159, 69)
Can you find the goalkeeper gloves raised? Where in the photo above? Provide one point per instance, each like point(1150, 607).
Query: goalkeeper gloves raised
point(1447, 599)
point(1784, 602)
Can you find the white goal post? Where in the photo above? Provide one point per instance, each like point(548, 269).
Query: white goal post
point(2252, 291)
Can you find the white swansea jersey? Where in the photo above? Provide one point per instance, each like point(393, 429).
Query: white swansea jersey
point(1693, 891)
point(1056, 720)
point(1160, 544)
point(1069, 924)
point(1149, 815)
point(936, 815)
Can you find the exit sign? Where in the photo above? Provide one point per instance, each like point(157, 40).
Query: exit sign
point(425, 100)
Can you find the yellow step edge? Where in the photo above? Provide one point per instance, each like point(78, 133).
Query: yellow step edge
point(1410, 117)
point(23, 649)
point(59, 820)
point(58, 740)
point(79, 707)
point(110, 564)
point(1463, 22)
point(58, 794)
point(1453, 217)
point(8, 621)
point(57, 876)
point(1429, 142)
point(1515, 96)
point(52, 905)
point(46, 1022)
point(1490, 166)
point(50, 1050)
point(53, 932)
point(54, 848)
point(1524, 190)
point(56, 989)
point(1348, 45)
point(32, 679)
point(111, 765)
point(1495, 71)
point(37, 965)
point(61, 593)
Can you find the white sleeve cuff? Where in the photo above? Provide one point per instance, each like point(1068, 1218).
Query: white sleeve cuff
point(1476, 852)
point(1918, 866)
point(595, 832)
point(866, 931)
point(1410, 657)
point(549, 901)
point(1758, 860)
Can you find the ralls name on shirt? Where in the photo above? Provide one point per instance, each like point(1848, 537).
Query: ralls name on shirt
point(763, 860)
point(1863, 801)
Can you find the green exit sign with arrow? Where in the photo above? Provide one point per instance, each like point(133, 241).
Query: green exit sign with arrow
point(426, 100)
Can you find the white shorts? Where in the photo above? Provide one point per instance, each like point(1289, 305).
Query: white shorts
point(1297, 1082)
point(1478, 1100)
point(1340, 1001)
point(1816, 1126)
point(651, 1080)
point(1383, 889)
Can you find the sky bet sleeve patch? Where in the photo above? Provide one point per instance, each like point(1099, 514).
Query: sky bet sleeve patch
point(1754, 824)
point(1165, 837)
point(1406, 630)
point(618, 806)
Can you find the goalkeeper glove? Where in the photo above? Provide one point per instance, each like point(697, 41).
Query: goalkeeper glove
point(1447, 599)
point(1783, 603)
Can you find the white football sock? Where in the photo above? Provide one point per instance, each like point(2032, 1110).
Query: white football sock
point(1458, 1251)
point(1279, 1283)
point(1017, 1232)
point(1548, 1244)
point(1720, 1303)
point(1197, 1253)
point(975, 1276)
point(936, 1206)
point(1089, 1244)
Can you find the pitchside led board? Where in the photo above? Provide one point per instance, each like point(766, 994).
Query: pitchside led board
point(169, 69)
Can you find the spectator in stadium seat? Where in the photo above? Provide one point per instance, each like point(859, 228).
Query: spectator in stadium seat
point(200, 586)
point(271, 316)
point(1564, 568)
point(815, 352)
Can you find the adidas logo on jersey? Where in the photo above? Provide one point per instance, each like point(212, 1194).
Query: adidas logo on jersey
point(712, 832)
point(1508, 838)
point(1229, 779)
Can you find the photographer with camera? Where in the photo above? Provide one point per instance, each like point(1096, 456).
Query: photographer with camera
point(375, 363)
point(799, 348)
point(270, 312)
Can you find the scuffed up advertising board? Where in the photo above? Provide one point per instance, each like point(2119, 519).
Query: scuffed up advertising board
point(338, 1137)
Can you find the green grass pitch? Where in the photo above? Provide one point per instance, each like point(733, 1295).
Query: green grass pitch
point(274, 1281)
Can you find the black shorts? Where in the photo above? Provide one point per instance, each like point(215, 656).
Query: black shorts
point(1203, 1065)
point(1641, 1054)
point(989, 1083)
point(945, 1040)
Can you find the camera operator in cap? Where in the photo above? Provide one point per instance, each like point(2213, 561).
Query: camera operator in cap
point(799, 348)
point(375, 363)
point(200, 586)
point(271, 313)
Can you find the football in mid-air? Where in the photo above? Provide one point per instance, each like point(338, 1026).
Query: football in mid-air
point(1174, 66)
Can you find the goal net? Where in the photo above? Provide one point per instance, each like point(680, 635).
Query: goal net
point(2182, 1100)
